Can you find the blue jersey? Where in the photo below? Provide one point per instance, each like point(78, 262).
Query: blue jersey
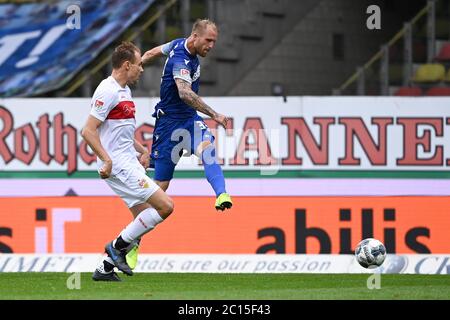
point(183, 65)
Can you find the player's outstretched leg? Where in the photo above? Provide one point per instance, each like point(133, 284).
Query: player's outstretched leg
point(215, 177)
point(105, 271)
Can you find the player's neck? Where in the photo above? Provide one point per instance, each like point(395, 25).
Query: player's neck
point(190, 46)
point(120, 77)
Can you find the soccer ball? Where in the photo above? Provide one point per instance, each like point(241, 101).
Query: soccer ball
point(370, 253)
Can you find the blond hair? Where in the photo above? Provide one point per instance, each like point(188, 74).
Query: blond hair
point(200, 25)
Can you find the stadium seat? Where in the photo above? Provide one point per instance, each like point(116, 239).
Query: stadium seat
point(431, 72)
point(408, 91)
point(438, 91)
point(444, 53)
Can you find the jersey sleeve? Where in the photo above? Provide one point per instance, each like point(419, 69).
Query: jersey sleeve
point(165, 49)
point(103, 101)
point(181, 69)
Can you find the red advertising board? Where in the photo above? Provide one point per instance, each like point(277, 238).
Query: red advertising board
point(253, 225)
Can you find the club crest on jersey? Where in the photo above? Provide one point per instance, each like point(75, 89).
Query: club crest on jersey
point(98, 104)
point(128, 109)
point(143, 183)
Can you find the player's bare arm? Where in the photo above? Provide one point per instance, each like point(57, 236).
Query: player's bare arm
point(90, 135)
point(144, 157)
point(193, 100)
point(151, 54)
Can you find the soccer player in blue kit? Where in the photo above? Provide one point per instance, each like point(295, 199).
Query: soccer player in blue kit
point(178, 127)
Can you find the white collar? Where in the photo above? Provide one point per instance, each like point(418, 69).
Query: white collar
point(185, 47)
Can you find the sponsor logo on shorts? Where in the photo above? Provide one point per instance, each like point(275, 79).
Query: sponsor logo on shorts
point(143, 183)
point(184, 72)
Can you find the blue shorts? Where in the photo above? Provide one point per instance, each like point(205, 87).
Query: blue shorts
point(171, 137)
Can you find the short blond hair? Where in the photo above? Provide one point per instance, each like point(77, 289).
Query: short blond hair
point(200, 25)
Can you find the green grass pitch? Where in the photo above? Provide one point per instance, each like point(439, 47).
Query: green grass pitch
point(184, 286)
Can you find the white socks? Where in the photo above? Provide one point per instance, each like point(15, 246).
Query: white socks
point(101, 266)
point(144, 222)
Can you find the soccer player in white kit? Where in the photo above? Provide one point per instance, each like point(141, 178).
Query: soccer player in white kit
point(121, 159)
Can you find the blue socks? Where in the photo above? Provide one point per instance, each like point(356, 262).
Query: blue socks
point(213, 171)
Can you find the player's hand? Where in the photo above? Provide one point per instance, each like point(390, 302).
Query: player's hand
point(105, 170)
point(221, 119)
point(144, 159)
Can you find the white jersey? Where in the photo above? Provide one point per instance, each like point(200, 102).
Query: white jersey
point(114, 106)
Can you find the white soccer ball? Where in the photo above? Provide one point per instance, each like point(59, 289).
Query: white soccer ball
point(370, 253)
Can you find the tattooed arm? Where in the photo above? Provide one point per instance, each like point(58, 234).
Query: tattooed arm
point(192, 99)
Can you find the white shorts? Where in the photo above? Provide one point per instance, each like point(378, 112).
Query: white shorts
point(132, 185)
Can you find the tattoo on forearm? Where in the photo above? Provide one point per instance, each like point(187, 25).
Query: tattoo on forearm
point(192, 99)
